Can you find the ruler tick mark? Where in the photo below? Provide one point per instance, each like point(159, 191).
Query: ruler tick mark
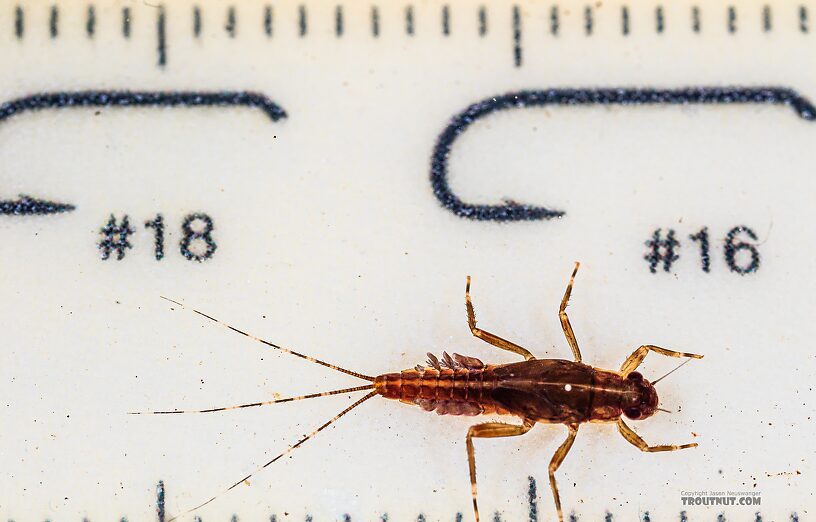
point(268, 20)
point(517, 36)
point(231, 24)
point(196, 21)
point(53, 21)
point(126, 22)
point(338, 21)
point(766, 18)
point(375, 21)
point(160, 501)
point(802, 22)
point(532, 495)
point(161, 36)
point(803, 19)
point(18, 22)
point(625, 20)
point(695, 19)
point(409, 20)
point(732, 19)
point(302, 21)
point(90, 21)
point(660, 23)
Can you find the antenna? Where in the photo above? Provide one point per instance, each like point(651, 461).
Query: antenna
point(671, 372)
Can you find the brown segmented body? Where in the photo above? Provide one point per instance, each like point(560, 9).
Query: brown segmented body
point(541, 390)
point(459, 391)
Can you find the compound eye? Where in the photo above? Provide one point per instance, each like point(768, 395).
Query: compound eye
point(633, 413)
point(635, 376)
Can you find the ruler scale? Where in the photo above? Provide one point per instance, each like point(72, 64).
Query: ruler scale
point(325, 175)
point(692, 23)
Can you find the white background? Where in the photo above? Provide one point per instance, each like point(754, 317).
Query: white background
point(330, 241)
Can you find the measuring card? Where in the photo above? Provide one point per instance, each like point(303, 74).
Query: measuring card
point(325, 175)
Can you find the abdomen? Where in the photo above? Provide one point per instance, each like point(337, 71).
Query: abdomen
point(447, 391)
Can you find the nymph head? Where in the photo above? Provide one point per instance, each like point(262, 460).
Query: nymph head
point(640, 400)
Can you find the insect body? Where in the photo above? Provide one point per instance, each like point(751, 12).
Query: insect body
point(552, 391)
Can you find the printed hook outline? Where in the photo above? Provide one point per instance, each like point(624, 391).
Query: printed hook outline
point(27, 205)
point(512, 211)
point(126, 98)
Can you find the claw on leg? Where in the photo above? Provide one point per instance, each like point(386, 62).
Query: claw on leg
point(488, 430)
point(488, 337)
point(565, 322)
point(634, 360)
point(555, 463)
point(634, 439)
